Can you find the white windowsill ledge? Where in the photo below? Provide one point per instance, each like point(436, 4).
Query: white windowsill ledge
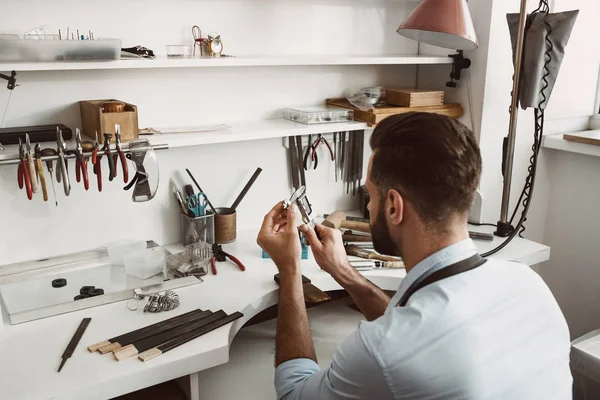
point(556, 142)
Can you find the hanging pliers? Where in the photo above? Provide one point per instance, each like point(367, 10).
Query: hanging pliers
point(30, 165)
point(120, 155)
point(221, 256)
point(96, 163)
point(111, 161)
point(62, 172)
point(315, 147)
point(308, 150)
point(23, 177)
point(80, 162)
point(40, 171)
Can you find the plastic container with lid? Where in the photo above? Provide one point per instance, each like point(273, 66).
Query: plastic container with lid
point(116, 250)
point(145, 263)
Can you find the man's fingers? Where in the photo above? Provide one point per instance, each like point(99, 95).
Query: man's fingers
point(292, 215)
point(311, 236)
point(321, 230)
point(272, 215)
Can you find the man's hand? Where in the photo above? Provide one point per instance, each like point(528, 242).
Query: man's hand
point(329, 250)
point(278, 237)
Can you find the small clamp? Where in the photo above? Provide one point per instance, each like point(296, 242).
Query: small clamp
point(120, 155)
point(80, 163)
point(220, 255)
point(12, 80)
point(23, 177)
point(106, 150)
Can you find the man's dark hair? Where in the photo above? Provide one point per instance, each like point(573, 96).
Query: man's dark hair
point(430, 159)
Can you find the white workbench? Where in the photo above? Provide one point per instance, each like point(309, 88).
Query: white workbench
point(30, 352)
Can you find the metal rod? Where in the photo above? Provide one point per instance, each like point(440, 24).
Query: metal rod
point(14, 161)
point(514, 113)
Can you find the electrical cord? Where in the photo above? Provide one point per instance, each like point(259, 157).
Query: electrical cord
point(482, 224)
point(527, 192)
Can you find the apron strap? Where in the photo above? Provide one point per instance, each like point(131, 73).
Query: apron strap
point(457, 268)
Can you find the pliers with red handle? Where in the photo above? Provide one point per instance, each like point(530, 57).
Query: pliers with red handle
point(96, 163)
point(221, 256)
point(80, 162)
point(23, 177)
point(120, 155)
point(320, 140)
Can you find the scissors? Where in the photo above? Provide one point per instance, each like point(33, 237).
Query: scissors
point(197, 204)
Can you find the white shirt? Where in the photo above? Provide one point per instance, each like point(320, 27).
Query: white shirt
point(495, 332)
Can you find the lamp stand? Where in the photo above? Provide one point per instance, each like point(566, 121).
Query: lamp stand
point(508, 147)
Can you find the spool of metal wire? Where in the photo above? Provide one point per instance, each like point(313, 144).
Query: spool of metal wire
point(162, 302)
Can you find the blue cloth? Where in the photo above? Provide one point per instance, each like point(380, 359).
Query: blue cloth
point(495, 332)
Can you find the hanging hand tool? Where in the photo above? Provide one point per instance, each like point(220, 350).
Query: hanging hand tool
point(335, 155)
point(360, 150)
point(120, 155)
point(50, 153)
point(350, 162)
point(31, 165)
point(39, 169)
point(294, 163)
point(80, 163)
point(106, 150)
point(315, 148)
point(299, 161)
point(62, 170)
point(23, 177)
point(96, 162)
point(308, 150)
point(221, 256)
point(342, 162)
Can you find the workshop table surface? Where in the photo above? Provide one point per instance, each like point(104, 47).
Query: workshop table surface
point(30, 353)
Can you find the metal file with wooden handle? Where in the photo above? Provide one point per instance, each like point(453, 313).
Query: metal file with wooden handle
point(338, 220)
point(356, 251)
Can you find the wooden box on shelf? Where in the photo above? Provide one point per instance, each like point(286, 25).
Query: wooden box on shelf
point(377, 114)
point(414, 97)
point(95, 117)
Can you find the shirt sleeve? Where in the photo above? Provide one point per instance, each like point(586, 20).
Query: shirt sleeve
point(353, 374)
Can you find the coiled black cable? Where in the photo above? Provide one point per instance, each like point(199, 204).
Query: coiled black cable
point(527, 192)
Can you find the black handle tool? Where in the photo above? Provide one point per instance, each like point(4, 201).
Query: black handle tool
point(74, 342)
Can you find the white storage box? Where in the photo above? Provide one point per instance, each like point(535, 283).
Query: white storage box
point(585, 366)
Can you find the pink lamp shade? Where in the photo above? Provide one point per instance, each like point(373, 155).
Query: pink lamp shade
point(443, 23)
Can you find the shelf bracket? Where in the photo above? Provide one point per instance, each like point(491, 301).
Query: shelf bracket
point(12, 80)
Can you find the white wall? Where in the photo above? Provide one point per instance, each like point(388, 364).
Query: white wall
point(180, 97)
point(564, 213)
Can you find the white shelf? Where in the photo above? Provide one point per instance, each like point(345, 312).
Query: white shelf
point(556, 142)
point(239, 132)
point(238, 61)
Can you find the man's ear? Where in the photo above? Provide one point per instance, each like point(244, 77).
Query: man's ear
point(394, 207)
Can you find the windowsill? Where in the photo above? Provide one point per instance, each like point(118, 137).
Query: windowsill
point(556, 142)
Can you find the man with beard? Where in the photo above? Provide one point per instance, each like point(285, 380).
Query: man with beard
point(459, 326)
